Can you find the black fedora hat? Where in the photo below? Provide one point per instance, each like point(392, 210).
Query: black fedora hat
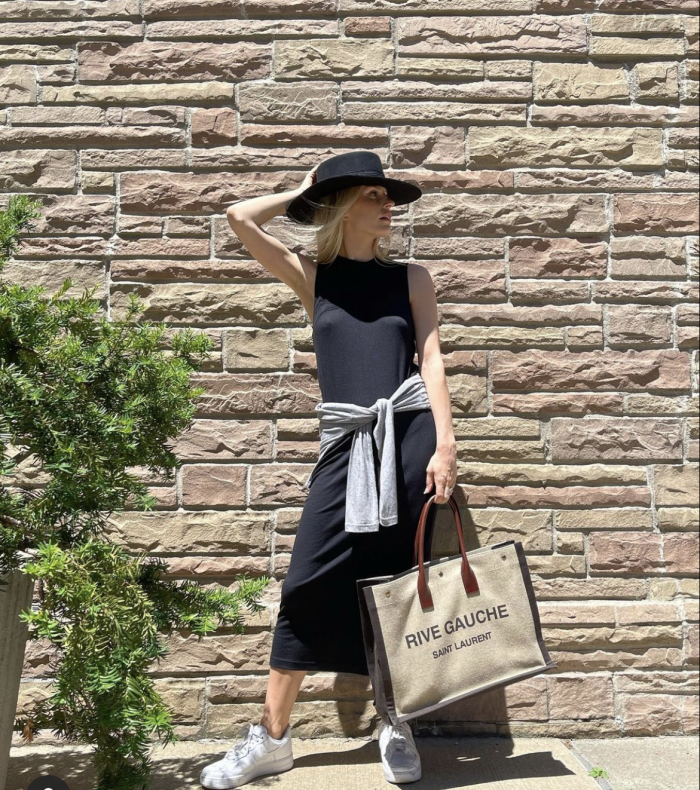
point(348, 170)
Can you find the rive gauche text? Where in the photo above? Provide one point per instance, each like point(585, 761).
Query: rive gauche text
point(470, 620)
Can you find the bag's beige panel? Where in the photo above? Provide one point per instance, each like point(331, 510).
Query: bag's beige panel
point(465, 643)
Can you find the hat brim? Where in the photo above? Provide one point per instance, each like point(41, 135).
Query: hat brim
point(301, 211)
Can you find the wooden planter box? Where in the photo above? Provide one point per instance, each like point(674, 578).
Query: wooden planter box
point(13, 639)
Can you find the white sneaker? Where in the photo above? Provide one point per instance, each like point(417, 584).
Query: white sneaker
point(400, 758)
point(256, 754)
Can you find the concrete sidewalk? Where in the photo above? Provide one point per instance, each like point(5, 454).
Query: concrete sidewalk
point(341, 764)
point(448, 764)
point(663, 763)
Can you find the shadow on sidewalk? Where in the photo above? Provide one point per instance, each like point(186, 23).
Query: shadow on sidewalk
point(448, 763)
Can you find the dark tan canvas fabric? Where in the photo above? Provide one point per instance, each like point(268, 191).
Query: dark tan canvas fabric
point(464, 644)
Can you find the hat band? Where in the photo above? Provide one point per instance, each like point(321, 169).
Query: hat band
point(377, 173)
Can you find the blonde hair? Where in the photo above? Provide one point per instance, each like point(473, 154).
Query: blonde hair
point(328, 221)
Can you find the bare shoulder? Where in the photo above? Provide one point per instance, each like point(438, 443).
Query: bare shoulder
point(419, 279)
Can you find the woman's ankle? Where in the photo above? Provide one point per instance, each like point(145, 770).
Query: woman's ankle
point(274, 730)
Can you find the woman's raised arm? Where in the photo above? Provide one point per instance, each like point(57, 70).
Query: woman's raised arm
point(246, 218)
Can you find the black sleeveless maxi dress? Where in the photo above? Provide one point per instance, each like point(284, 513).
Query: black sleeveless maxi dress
point(364, 339)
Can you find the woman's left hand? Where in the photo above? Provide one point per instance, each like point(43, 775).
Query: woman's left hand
point(442, 472)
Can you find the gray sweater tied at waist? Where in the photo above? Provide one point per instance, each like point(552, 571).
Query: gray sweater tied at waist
point(364, 510)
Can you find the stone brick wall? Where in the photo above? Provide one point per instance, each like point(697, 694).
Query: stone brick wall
point(556, 144)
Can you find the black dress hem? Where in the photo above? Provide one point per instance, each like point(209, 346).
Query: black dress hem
point(316, 667)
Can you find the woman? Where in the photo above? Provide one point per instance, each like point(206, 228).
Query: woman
point(369, 316)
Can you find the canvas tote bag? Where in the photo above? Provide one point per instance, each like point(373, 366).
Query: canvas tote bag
point(450, 628)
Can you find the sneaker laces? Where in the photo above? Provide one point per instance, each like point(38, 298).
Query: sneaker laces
point(250, 739)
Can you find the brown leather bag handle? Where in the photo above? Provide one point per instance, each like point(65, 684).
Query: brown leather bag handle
point(471, 585)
